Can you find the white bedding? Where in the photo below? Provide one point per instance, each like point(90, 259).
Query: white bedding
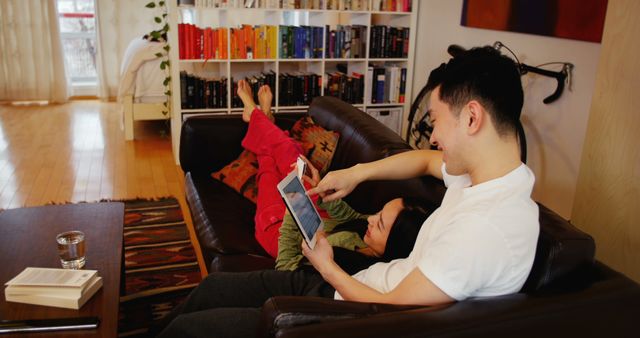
point(140, 74)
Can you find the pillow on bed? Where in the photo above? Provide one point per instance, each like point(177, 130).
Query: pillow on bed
point(323, 142)
point(240, 175)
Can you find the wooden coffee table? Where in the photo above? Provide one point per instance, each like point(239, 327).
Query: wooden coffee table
point(28, 238)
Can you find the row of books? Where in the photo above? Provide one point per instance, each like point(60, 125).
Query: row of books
point(392, 5)
point(298, 89)
point(199, 43)
point(300, 42)
point(342, 5)
point(346, 42)
point(198, 93)
point(348, 5)
point(302, 4)
point(254, 42)
point(348, 88)
point(255, 81)
point(236, 3)
point(388, 84)
point(389, 42)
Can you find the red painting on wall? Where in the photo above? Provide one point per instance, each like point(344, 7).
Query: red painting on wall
point(571, 19)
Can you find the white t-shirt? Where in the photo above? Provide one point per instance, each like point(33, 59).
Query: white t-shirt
point(480, 242)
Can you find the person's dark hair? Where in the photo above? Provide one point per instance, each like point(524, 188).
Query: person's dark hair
point(405, 229)
point(485, 75)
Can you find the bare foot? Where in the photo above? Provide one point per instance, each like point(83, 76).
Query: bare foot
point(245, 94)
point(265, 98)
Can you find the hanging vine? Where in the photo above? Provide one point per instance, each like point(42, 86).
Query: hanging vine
point(161, 36)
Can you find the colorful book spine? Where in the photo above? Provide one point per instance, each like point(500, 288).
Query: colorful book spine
point(346, 42)
point(387, 84)
point(201, 43)
point(300, 42)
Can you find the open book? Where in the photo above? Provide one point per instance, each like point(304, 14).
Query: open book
point(53, 287)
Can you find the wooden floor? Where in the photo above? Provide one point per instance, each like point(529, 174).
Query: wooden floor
point(76, 152)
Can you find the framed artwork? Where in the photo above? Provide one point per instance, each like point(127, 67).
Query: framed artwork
point(570, 19)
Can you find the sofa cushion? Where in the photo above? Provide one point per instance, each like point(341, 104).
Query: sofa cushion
point(240, 175)
point(322, 142)
point(563, 252)
point(222, 218)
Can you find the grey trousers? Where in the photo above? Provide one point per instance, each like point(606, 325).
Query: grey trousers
point(229, 304)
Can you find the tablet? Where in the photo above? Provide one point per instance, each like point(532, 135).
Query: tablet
point(300, 207)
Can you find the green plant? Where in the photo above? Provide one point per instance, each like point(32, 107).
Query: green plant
point(161, 35)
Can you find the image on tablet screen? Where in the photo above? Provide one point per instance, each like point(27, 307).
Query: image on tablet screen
point(303, 207)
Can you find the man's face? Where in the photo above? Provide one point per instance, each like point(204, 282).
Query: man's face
point(447, 133)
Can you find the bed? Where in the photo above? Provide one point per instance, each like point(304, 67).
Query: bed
point(141, 89)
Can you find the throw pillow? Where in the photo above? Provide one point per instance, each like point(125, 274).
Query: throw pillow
point(240, 175)
point(323, 142)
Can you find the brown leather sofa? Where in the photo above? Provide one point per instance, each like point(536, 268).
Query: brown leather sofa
point(568, 293)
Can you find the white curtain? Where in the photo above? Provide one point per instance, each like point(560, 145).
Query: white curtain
point(31, 55)
point(118, 22)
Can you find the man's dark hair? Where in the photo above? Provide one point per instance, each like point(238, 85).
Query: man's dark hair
point(405, 229)
point(485, 75)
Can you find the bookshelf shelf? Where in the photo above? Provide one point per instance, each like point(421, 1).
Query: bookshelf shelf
point(349, 78)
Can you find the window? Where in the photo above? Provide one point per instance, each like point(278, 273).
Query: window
point(78, 33)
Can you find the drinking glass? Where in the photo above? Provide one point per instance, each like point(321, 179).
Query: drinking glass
point(71, 249)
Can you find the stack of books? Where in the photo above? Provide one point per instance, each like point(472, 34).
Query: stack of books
point(53, 287)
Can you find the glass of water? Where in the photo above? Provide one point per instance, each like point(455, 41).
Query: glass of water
point(71, 248)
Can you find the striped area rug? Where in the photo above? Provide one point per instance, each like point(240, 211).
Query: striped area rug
point(160, 265)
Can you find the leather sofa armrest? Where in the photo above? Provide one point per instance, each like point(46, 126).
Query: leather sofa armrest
point(284, 312)
point(208, 143)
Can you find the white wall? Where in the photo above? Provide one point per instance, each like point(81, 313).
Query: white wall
point(555, 132)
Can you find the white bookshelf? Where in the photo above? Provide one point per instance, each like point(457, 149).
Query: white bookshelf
point(203, 16)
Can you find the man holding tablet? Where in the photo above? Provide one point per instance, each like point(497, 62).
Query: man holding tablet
point(480, 242)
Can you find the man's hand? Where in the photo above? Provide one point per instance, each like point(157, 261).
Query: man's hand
point(321, 257)
point(337, 184)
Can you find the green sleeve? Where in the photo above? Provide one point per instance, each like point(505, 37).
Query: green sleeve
point(340, 212)
point(346, 239)
point(289, 251)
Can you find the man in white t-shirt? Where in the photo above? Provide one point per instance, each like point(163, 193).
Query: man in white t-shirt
point(482, 239)
point(480, 242)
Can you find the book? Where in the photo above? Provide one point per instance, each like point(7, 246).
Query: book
point(53, 287)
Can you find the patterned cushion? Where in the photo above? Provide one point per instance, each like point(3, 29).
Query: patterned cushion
point(240, 175)
point(323, 142)
point(317, 143)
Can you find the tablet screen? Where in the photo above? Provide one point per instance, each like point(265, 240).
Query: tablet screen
point(302, 207)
